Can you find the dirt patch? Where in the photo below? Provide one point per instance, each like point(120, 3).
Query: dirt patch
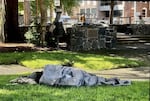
point(21, 47)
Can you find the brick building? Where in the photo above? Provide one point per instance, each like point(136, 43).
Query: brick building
point(124, 11)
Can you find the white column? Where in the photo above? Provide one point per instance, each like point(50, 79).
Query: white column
point(135, 11)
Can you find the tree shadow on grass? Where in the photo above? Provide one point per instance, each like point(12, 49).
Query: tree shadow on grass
point(83, 60)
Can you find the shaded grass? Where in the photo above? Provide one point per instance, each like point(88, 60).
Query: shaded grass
point(138, 91)
point(81, 60)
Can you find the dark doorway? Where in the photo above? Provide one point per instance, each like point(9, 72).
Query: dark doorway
point(11, 25)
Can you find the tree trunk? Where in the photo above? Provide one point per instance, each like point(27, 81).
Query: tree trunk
point(43, 12)
point(111, 11)
point(37, 7)
point(2, 20)
point(27, 12)
point(51, 11)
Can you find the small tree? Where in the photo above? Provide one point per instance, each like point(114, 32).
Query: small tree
point(39, 7)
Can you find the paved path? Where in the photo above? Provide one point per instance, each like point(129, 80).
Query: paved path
point(15, 69)
point(136, 74)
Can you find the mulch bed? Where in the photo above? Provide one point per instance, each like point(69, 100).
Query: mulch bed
point(12, 47)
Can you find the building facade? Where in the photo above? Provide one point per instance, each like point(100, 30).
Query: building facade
point(134, 9)
point(87, 8)
point(125, 12)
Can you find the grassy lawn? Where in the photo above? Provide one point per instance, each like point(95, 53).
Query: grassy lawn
point(81, 60)
point(138, 91)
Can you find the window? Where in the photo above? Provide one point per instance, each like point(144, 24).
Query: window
point(88, 12)
point(82, 11)
point(117, 13)
point(93, 10)
point(107, 13)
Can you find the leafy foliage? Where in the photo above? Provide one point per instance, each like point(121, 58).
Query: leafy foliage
point(20, 7)
point(69, 5)
point(33, 35)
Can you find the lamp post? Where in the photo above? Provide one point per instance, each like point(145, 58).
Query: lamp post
point(58, 11)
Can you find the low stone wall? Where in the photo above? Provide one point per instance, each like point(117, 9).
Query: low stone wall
point(134, 29)
point(138, 29)
point(92, 38)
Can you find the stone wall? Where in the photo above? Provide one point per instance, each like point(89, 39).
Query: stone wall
point(138, 29)
point(134, 29)
point(85, 38)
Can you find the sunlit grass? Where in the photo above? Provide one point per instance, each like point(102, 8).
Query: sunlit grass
point(81, 60)
point(137, 91)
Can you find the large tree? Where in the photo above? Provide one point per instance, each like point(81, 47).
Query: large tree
point(2, 20)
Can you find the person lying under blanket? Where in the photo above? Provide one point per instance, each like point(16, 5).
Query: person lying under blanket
point(58, 75)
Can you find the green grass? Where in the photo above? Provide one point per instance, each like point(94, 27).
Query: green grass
point(81, 60)
point(138, 91)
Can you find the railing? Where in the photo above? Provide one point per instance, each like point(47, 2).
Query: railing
point(130, 20)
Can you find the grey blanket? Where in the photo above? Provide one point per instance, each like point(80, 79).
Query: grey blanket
point(69, 76)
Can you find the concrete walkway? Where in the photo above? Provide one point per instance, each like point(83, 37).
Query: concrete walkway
point(134, 74)
point(15, 69)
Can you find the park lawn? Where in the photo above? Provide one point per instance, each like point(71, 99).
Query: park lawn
point(81, 60)
point(137, 91)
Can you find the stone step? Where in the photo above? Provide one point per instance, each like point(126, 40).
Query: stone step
point(133, 36)
point(132, 39)
point(133, 42)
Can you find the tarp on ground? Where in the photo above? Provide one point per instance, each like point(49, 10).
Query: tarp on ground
point(68, 76)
